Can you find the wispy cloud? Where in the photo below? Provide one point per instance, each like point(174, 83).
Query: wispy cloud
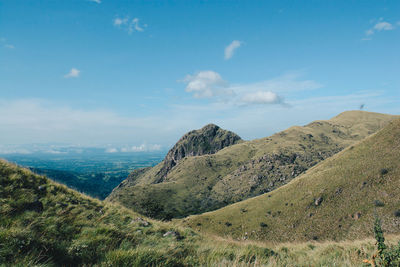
point(292, 81)
point(144, 147)
point(3, 41)
point(135, 25)
point(120, 21)
point(379, 27)
point(261, 97)
point(130, 25)
point(231, 48)
point(96, 1)
point(73, 73)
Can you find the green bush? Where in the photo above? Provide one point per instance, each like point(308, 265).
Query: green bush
point(384, 171)
point(379, 203)
point(387, 256)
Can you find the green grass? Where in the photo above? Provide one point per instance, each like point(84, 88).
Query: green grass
point(335, 200)
point(70, 229)
point(235, 173)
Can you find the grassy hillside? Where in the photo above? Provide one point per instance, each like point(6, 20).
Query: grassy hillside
point(203, 183)
point(43, 223)
point(335, 200)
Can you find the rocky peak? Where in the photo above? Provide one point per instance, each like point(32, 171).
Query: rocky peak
point(207, 140)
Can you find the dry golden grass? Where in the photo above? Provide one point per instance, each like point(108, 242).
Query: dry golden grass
point(353, 185)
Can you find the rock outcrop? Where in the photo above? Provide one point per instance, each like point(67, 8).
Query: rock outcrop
point(207, 140)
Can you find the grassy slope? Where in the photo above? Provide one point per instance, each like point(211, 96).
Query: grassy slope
point(204, 183)
point(349, 183)
point(70, 229)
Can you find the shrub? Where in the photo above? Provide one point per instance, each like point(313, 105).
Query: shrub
point(384, 171)
point(228, 224)
point(387, 256)
point(379, 203)
point(397, 213)
point(311, 246)
point(263, 224)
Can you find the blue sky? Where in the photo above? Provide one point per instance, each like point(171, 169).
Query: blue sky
point(142, 73)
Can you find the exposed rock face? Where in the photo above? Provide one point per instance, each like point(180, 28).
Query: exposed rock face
point(266, 173)
point(207, 140)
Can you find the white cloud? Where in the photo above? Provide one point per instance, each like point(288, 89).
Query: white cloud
point(231, 48)
point(120, 21)
point(96, 1)
point(206, 84)
point(142, 148)
point(378, 27)
point(209, 84)
point(129, 149)
point(129, 25)
point(261, 97)
point(73, 73)
point(9, 46)
point(369, 32)
point(135, 25)
point(111, 150)
point(383, 26)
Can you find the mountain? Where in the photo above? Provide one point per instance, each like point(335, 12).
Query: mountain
point(207, 140)
point(198, 183)
point(335, 200)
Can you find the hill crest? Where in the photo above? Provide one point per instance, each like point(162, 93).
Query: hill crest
point(335, 200)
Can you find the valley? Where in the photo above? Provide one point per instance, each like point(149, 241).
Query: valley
point(92, 171)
